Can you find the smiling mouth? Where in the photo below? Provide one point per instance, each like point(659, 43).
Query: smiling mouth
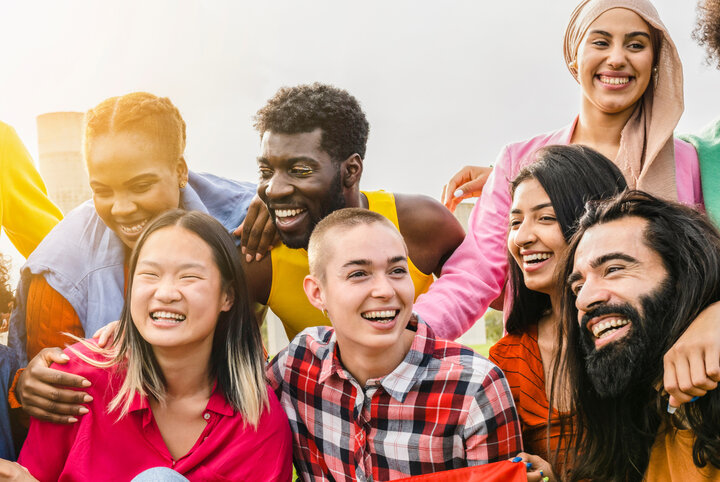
point(607, 327)
point(132, 229)
point(381, 316)
point(613, 80)
point(536, 258)
point(167, 317)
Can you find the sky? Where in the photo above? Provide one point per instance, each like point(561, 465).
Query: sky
point(443, 83)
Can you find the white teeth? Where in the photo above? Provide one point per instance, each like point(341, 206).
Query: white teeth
point(287, 213)
point(381, 316)
point(167, 316)
point(133, 229)
point(614, 80)
point(601, 330)
point(536, 257)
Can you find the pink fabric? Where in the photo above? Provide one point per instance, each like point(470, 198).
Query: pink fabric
point(476, 273)
point(99, 448)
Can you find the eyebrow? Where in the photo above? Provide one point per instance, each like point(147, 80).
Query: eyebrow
point(180, 268)
point(534, 208)
point(599, 261)
point(291, 160)
point(367, 262)
point(627, 35)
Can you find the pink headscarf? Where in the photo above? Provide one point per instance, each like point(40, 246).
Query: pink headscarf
point(647, 138)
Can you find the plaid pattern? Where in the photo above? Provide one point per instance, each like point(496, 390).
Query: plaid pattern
point(443, 407)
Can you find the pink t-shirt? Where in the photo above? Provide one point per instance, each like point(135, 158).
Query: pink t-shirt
point(476, 272)
point(98, 447)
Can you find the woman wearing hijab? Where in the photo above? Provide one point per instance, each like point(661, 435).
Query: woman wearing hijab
point(630, 75)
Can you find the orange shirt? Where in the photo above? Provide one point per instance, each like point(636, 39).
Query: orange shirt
point(519, 357)
point(48, 316)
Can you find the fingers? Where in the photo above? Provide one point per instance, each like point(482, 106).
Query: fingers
point(690, 376)
point(262, 237)
point(249, 221)
point(467, 183)
point(106, 334)
point(538, 469)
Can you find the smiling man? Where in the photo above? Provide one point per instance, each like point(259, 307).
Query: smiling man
point(313, 140)
point(639, 271)
point(377, 397)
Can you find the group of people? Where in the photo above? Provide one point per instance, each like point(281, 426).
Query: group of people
point(594, 240)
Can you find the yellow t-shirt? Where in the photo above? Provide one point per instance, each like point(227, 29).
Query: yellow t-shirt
point(26, 212)
point(290, 266)
point(671, 459)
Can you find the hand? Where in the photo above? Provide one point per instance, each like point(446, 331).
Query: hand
point(470, 180)
point(39, 389)
point(539, 470)
point(257, 232)
point(692, 365)
point(14, 472)
point(106, 334)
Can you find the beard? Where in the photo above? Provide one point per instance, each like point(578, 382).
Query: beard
point(614, 367)
point(333, 201)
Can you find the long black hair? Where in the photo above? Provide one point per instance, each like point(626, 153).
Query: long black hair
point(611, 438)
point(571, 176)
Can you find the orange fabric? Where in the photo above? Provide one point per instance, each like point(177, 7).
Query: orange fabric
point(12, 398)
point(518, 355)
point(49, 314)
point(671, 459)
point(505, 471)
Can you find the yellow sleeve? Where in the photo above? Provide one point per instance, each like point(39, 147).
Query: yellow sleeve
point(27, 214)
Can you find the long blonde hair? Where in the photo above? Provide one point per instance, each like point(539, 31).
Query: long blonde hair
point(236, 360)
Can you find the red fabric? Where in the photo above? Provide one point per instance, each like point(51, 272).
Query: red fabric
point(99, 447)
point(504, 471)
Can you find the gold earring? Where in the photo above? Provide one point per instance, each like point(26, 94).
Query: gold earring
point(325, 313)
point(573, 65)
point(183, 183)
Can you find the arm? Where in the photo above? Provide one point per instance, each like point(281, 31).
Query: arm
point(420, 215)
point(257, 232)
point(492, 429)
point(27, 212)
point(475, 274)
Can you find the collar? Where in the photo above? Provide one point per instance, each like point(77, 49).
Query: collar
point(398, 382)
point(216, 403)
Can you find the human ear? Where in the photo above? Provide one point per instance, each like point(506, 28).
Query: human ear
point(352, 170)
point(228, 300)
point(181, 170)
point(313, 291)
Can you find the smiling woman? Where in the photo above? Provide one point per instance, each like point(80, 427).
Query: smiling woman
point(183, 385)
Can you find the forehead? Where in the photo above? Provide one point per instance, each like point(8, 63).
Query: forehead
point(375, 242)
point(624, 236)
point(277, 147)
point(620, 20)
point(127, 154)
point(186, 245)
point(529, 193)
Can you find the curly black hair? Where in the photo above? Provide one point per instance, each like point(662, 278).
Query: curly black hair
point(7, 297)
point(707, 30)
point(304, 108)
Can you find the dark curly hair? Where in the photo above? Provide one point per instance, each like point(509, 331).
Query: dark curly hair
point(304, 108)
point(7, 296)
point(707, 30)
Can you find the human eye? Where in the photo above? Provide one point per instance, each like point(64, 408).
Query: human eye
point(636, 45)
point(575, 288)
point(142, 186)
point(613, 269)
point(357, 274)
point(301, 170)
point(550, 218)
point(515, 222)
point(600, 42)
point(265, 172)
point(146, 274)
point(399, 271)
point(101, 191)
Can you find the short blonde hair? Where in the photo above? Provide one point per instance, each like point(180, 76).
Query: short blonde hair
point(137, 111)
point(319, 247)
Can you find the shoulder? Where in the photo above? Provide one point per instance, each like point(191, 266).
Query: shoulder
point(521, 149)
point(415, 211)
point(466, 364)
point(315, 342)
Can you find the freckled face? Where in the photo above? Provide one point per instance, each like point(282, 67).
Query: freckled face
point(133, 177)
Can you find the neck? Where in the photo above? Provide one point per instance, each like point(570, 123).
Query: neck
point(600, 130)
point(355, 199)
point(186, 374)
point(366, 363)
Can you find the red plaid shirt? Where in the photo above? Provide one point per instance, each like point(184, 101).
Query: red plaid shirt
point(442, 408)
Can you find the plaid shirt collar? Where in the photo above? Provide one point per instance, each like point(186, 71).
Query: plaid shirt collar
point(399, 382)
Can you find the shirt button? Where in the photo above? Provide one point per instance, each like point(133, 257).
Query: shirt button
point(206, 416)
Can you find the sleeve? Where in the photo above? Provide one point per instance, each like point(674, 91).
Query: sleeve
point(27, 212)
point(48, 316)
point(492, 429)
point(475, 274)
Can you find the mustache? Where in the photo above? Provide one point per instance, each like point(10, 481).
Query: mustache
point(623, 309)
